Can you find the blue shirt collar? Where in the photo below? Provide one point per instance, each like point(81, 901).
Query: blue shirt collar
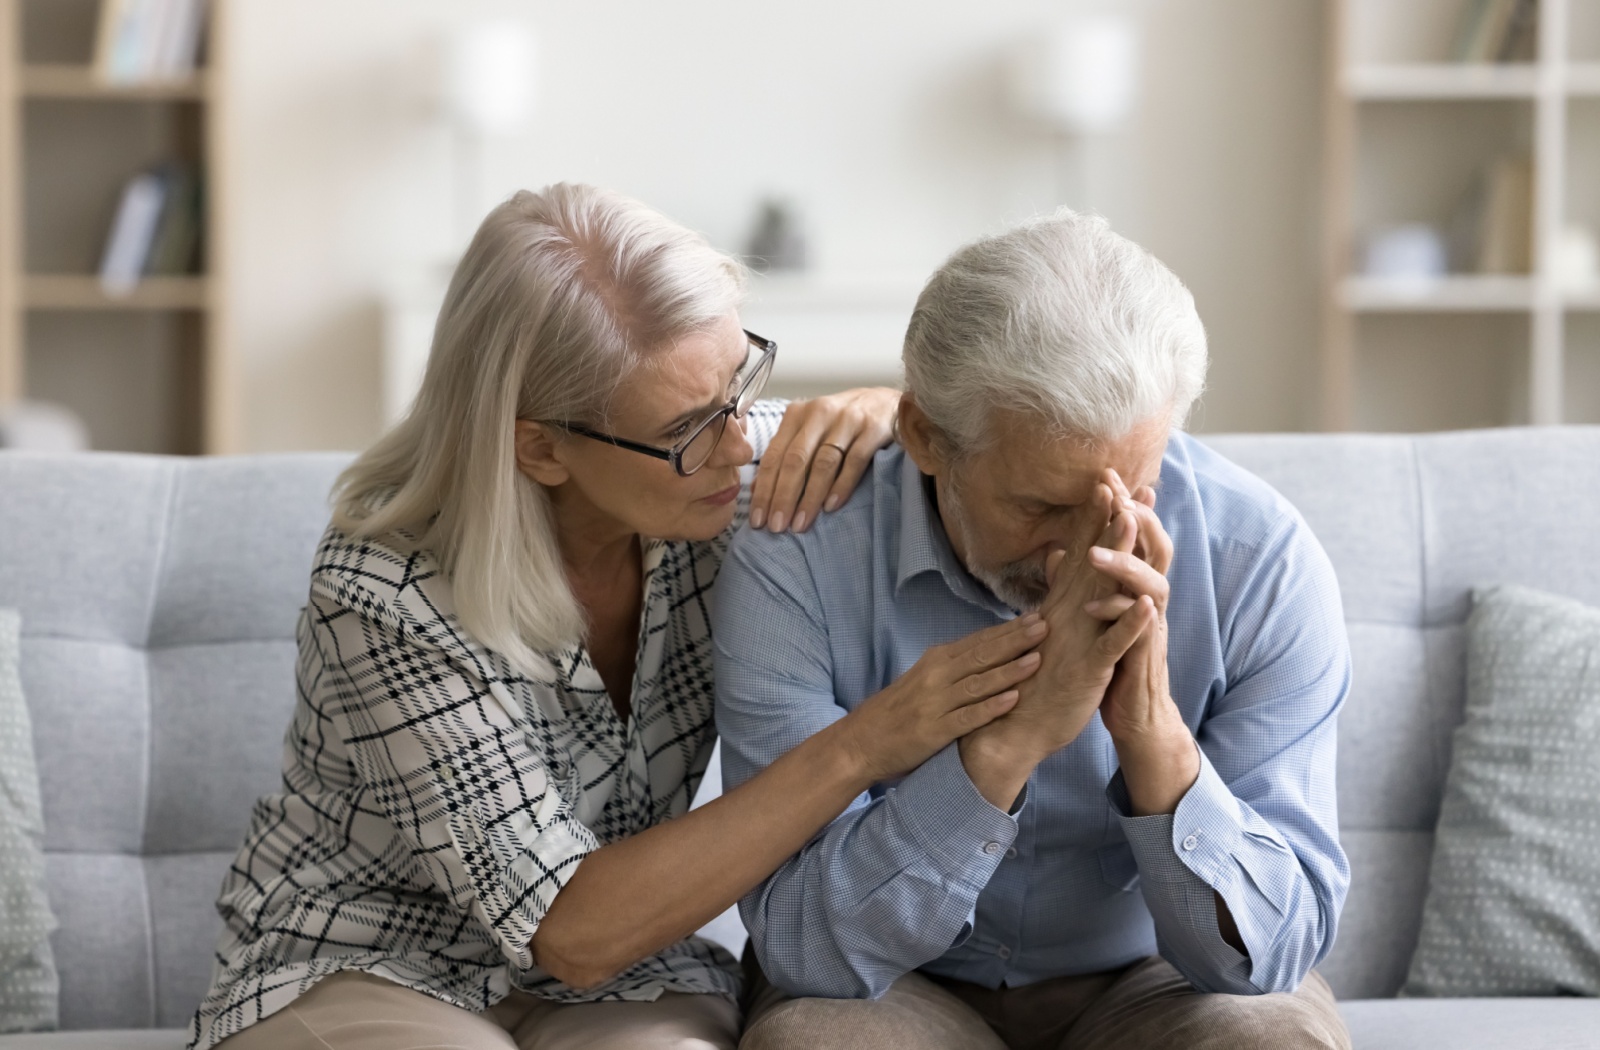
point(924, 547)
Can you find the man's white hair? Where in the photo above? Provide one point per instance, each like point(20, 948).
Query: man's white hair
point(1059, 318)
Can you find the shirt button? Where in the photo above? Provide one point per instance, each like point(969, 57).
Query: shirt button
point(1191, 842)
point(1003, 952)
point(992, 848)
point(447, 772)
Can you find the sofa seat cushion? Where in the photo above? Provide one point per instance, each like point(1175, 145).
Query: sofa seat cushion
point(106, 1039)
point(1466, 1024)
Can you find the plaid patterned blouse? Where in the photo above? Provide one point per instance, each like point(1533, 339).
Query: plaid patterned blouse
point(435, 801)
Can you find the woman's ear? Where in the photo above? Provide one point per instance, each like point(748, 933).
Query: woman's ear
point(919, 437)
point(537, 454)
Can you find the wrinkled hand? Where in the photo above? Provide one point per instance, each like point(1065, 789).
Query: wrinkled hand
point(1154, 746)
point(819, 454)
point(952, 690)
point(1081, 653)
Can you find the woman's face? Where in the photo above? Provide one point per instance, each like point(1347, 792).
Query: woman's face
point(658, 403)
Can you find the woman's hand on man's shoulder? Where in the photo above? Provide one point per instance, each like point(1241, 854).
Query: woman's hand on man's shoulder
point(819, 455)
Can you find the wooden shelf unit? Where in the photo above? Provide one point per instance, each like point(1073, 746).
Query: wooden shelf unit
point(69, 80)
point(72, 292)
point(1385, 56)
point(158, 354)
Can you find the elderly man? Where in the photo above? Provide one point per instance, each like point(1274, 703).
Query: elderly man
point(1144, 851)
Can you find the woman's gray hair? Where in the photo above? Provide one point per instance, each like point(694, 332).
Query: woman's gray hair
point(1059, 318)
point(559, 295)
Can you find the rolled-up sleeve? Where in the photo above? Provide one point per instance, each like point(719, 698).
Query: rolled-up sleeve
point(1259, 826)
point(891, 883)
point(446, 759)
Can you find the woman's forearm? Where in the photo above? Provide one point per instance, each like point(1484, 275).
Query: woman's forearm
point(637, 896)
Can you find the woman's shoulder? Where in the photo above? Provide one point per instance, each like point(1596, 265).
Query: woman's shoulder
point(396, 584)
point(391, 578)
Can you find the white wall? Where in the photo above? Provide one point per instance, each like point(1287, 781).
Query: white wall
point(885, 120)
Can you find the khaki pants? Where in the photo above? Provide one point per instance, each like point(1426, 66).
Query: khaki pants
point(358, 1011)
point(1148, 1004)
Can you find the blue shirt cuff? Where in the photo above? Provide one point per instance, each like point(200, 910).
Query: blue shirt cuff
point(1199, 837)
point(1183, 857)
point(962, 834)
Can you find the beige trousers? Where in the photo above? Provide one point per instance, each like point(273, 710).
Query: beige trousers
point(1148, 1004)
point(358, 1011)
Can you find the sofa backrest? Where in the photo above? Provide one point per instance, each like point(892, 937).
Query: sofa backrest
point(159, 599)
point(1412, 524)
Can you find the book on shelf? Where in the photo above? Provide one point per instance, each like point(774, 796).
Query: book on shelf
point(156, 231)
point(1507, 242)
point(1492, 230)
point(138, 41)
point(1498, 31)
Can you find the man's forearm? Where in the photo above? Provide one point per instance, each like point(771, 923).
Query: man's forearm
point(908, 866)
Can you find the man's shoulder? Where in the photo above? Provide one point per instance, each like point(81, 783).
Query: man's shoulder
point(850, 534)
point(1238, 508)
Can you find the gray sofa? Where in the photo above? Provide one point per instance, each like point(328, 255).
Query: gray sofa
point(159, 596)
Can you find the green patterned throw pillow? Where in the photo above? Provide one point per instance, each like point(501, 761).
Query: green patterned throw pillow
point(1513, 904)
point(28, 985)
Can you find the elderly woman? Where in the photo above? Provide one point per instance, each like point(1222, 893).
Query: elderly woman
point(504, 683)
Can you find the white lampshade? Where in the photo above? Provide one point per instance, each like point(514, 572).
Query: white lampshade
point(489, 76)
point(1081, 74)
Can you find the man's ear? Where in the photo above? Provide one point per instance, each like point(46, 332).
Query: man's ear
point(920, 438)
point(537, 456)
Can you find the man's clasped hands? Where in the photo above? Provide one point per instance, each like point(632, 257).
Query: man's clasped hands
point(1098, 642)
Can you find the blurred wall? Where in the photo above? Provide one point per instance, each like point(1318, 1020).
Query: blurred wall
point(884, 121)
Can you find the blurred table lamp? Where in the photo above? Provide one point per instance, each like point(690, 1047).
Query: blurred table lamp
point(1080, 76)
point(487, 92)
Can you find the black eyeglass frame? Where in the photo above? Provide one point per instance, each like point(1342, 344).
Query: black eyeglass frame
point(674, 455)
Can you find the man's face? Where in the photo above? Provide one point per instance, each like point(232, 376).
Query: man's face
point(1031, 492)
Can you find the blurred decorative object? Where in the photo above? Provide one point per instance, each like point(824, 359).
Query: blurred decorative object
point(1412, 252)
point(487, 88)
point(1081, 75)
point(1498, 31)
point(1577, 259)
point(778, 242)
point(139, 41)
point(36, 426)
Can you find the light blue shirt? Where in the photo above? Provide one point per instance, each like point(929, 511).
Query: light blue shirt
point(926, 874)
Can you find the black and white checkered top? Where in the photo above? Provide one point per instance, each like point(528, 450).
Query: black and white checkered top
point(435, 801)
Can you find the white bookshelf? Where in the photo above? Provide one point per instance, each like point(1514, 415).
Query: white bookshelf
point(1407, 131)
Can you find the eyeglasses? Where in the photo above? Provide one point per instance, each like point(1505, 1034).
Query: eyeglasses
point(695, 449)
